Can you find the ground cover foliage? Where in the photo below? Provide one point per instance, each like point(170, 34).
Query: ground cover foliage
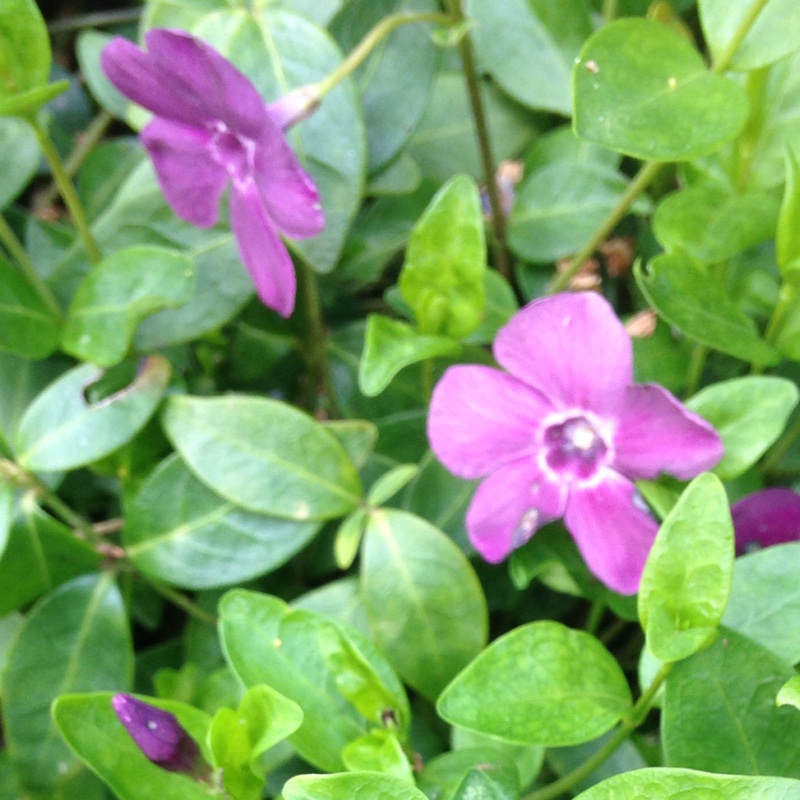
point(398, 400)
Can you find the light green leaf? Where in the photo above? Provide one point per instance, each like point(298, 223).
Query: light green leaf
point(749, 414)
point(789, 694)
point(641, 89)
point(24, 48)
point(426, 607)
point(264, 455)
point(379, 751)
point(687, 578)
point(89, 45)
point(179, 531)
point(540, 684)
point(372, 785)
point(75, 639)
point(6, 514)
point(787, 242)
point(118, 294)
point(390, 346)
point(30, 102)
point(389, 484)
point(61, 430)
point(19, 158)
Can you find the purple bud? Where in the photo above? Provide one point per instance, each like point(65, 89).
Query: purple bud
point(295, 106)
point(771, 516)
point(158, 734)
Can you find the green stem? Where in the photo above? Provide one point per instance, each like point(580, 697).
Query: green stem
point(94, 20)
point(723, 62)
point(644, 177)
point(67, 190)
point(182, 601)
point(781, 447)
point(20, 255)
point(498, 218)
point(633, 721)
point(595, 616)
point(609, 10)
point(359, 54)
point(696, 365)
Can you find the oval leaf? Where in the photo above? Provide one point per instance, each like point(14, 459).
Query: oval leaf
point(347, 786)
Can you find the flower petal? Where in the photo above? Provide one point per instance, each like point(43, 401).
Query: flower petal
point(191, 180)
point(290, 196)
point(510, 506)
point(262, 251)
point(572, 348)
point(771, 516)
point(656, 434)
point(481, 418)
point(196, 70)
point(613, 531)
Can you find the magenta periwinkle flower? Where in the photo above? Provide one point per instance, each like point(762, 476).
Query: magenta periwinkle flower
point(212, 128)
point(564, 432)
point(158, 734)
point(765, 518)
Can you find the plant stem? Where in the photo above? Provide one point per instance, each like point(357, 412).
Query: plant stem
point(182, 601)
point(362, 50)
point(781, 447)
point(633, 721)
point(94, 20)
point(721, 64)
point(696, 364)
point(609, 10)
point(644, 177)
point(20, 255)
point(67, 190)
point(498, 219)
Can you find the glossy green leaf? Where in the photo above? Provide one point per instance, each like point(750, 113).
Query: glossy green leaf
point(91, 728)
point(719, 712)
point(29, 103)
point(482, 784)
point(390, 346)
point(712, 224)
point(687, 578)
point(339, 599)
point(789, 694)
point(443, 274)
point(179, 531)
point(685, 294)
point(62, 430)
point(19, 157)
point(561, 205)
point(307, 657)
point(24, 48)
point(27, 325)
point(445, 775)
point(765, 600)
point(680, 784)
point(529, 47)
point(263, 455)
point(347, 786)
point(76, 639)
point(389, 484)
point(774, 33)
point(118, 294)
point(379, 751)
point(356, 436)
point(641, 89)
point(280, 51)
point(40, 555)
point(425, 604)
point(749, 414)
point(540, 684)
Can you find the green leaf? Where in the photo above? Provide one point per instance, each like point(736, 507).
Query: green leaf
point(749, 414)
point(379, 751)
point(712, 224)
point(179, 531)
point(426, 607)
point(248, 450)
point(445, 775)
point(559, 207)
point(316, 662)
point(89, 45)
point(24, 48)
point(789, 694)
point(765, 600)
point(91, 728)
point(529, 47)
point(685, 294)
point(19, 158)
point(389, 484)
point(641, 89)
point(719, 711)
point(480, 784)
point(443, 275)
point(280, 51)
point(26, 104)
point(6, 515)
point(775, 32)
point(61, 430)
point(75, 639)
point(118, 294)
point(787, 242)
point(687, 578)
point(27, 325)
point(540, 684)
point(391, 345)
point(350, 785)
point(681, 784)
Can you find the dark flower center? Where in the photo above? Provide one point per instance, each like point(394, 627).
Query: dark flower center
point(574, 448)
point(233, 152)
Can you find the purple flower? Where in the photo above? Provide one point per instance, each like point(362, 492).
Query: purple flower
point(158, 734)
point(771, 516)
point(212, 128)
point(564, 433)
